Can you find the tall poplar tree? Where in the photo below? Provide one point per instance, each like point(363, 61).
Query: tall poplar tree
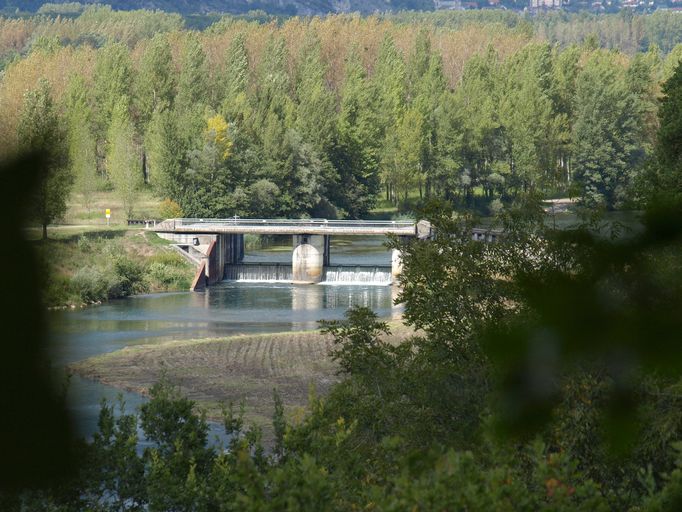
point(193, 83)
point(122, 157)
point(82, 144)
point(274, 85)
point(356, 154)
point(410, 142)
point(236, 79)
point(155, 81)
point(316, 110)
point(113, 79)
point(39, 129)
point(477, 102)
point(165, 151)
point(427, 87)
point(527, 113)
point(389, 81)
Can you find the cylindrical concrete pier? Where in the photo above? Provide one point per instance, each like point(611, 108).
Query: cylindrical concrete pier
point(396, 264)
point(307, 260)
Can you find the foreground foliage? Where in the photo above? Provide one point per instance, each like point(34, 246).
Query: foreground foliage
point(546, 378)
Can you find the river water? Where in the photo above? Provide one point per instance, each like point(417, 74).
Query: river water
point(229, 308)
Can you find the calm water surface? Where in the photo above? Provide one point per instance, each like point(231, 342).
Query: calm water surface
point(224, 310)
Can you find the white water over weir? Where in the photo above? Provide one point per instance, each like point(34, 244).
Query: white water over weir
point(259, 273)
point(378, 276)
point(333, 275)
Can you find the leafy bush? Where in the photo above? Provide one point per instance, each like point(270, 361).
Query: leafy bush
point(166, 276)
point(130, 276)
point(169, 209)
point(92, 284)
point(84, 243)
point(59, 291)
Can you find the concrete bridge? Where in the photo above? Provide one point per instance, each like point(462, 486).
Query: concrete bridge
point(219, 243)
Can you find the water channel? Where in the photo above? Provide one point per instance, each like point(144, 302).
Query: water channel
point(229, 308)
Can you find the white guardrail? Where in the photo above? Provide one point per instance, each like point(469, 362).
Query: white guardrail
point(297, 222)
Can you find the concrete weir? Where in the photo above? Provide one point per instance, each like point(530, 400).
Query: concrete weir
point(215, 244)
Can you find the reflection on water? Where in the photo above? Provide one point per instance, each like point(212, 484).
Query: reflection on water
point(223, 310)
point(226, 309)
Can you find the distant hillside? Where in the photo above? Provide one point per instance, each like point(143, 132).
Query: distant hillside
point(303, 7)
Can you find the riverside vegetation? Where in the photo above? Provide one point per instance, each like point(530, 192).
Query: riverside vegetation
point(98, 265)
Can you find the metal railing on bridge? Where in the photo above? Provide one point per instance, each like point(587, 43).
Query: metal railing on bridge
point(236, 221)
point(236, 225)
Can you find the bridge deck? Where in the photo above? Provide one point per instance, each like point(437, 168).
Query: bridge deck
point(288, 227)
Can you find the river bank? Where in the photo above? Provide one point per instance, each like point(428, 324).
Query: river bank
point(90, 265)
point(219, 371)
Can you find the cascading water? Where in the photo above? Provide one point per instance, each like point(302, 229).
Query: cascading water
point(376, 276)
point(259, 273)
point(337, 275)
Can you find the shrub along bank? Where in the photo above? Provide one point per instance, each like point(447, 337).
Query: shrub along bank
point(92, 267)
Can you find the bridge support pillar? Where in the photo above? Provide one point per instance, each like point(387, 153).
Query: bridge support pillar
point(308, 258)
point(396, 264)
point(233, 249)
point(397, 261)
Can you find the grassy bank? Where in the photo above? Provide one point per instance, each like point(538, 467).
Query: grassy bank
point(147, 206)
point(89, 264)
point(235, 369)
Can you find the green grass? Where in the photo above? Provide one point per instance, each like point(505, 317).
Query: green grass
point(146, 207)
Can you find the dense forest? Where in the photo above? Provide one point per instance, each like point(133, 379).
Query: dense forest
point(322, 116)
point(286, 7)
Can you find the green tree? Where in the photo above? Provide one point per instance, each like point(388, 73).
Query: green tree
point(114, 470)
point(193, 83)
point(235, 80)
point(356, 152)
point(123, 162)
point(666, 178)
point(316, 109)
point(408, 142)
point(565, 72)
point(82, 144)
point(155, 80)
point(607, 150)
point(477, 101)
point(165, 150)
point(273, 95)
point(389, 82)
point(113, 79)
point(39, 129)
point(531, 124)
point(427, 90)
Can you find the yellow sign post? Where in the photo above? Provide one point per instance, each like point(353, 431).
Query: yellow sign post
point(107, 212)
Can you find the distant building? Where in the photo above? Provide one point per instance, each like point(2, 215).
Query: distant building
point(452, 5)
point(539, 5)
